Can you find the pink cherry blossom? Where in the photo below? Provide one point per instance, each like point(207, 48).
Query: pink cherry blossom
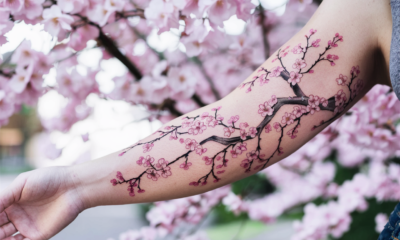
point(161, 14)
point(20, 80)
point(71, 6)
point(299, 64)
point(324, 102)
point(268, 128)
point(200, 150)
point(313, 31)
point(332, 44)
point(299, 111)
point(355, 70)
point(191, 144)
point(228, 131)
point(197, 128)
point(6, 106)
point(185, 165)
point(245, 163)
point(55, 21)
point(265, 109)
point(243, 134)
point(332, 57)
point(243, 125)
point(277, 126)
point(233, 119)
point(182, 81)
point(313, 100)
point(297, 49)
point(316, 43)
point(252, 132)
point(208, 160)
point(288, 118)
point(340, 98)
point(253, 155)
point(147, 147)
point(276, 71)
point(152, 174)
point(140, 161)
point(340, 38)
point(148, 161)
point(114, 182)
point(273, 100)
point(163, 168)
point(187, 122)
point(295, 77)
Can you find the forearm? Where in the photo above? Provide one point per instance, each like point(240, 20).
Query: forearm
point(283, 104)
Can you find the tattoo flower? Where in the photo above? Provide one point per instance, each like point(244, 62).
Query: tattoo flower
point(265, 109)
point(148, 161)
point(228, 131)
point(276, 71)
point(295, 77)
point(243, 125)
point(162, 166)
point(245, 163)
point(299, 64)
point(288, 118)
point(252, 155)
point(297, 49)
point(233, 119)
point(200, 150)
point(204, 116)
point(147, 147)
point(340, 98)
point(298, 111)
point(208, 160)
point(152, 174)
point(355, 70)
point(316, 43)
point(243, 134)
point(323, 102)
point(191, 144)
point(185, 165)
point(263, 79)
point(187, 123)
point(252, 132)
point(140, 161)
point(197, 128)
point(268, 128)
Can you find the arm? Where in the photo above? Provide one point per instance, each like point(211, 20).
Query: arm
point(309, 82)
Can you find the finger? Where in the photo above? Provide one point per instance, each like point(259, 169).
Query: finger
point(16, 237)
point(7, 230)
point(13, 193)
point(3, 218)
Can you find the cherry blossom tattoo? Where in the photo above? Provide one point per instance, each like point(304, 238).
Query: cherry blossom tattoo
point(235, 146)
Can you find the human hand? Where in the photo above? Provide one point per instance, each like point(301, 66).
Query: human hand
point(39, 204)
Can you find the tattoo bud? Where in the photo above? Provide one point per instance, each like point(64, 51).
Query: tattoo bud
point(204, 183)
point(140, 191)
point(131, 183)
point(120, 177)
point(131, 191)
point(114, 182)
point(194, 184)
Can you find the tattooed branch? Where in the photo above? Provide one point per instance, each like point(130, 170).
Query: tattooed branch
point(235, 146)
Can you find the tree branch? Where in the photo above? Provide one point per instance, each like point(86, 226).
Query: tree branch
point(264, 32)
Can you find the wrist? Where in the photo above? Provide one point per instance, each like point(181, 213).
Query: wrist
point(80, 175)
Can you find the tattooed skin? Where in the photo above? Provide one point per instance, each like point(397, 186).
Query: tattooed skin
point(289, 125)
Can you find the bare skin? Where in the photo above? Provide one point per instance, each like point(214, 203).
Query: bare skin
point(41, 203)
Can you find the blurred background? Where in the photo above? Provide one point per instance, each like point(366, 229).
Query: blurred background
point(343, 184)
